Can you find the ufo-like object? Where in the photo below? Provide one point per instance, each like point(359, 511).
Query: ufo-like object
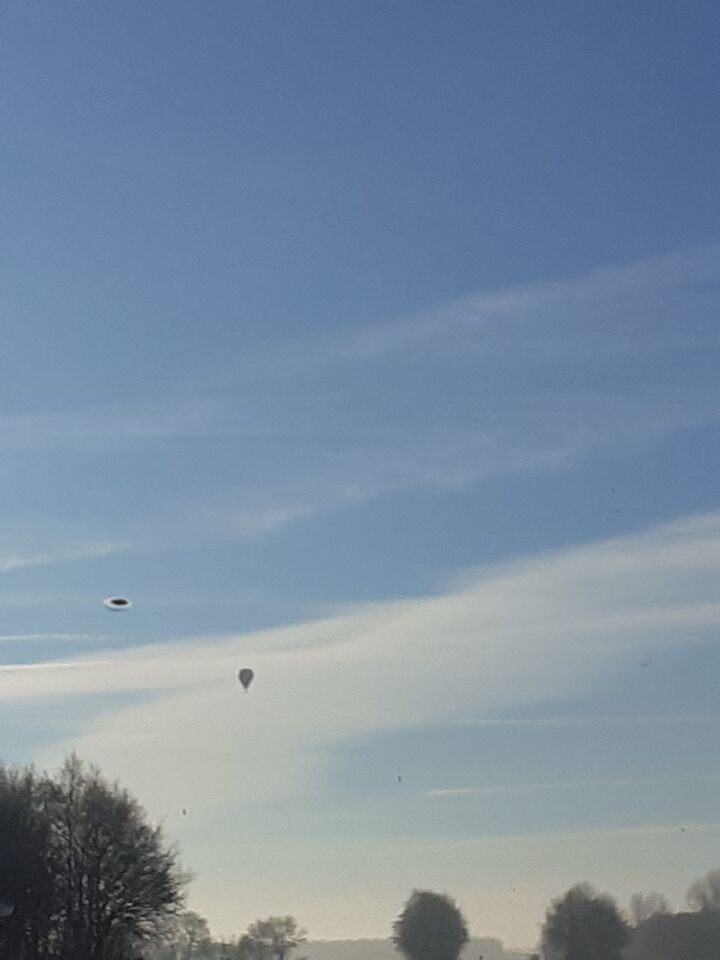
point(117, 603)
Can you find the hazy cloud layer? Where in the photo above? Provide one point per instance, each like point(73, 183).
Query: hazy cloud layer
point(525, 633)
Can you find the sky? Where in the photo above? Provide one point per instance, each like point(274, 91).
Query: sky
point(374, 347)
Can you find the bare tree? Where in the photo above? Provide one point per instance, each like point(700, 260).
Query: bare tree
point(119, 879)
point(28, 865)
point(87, 875)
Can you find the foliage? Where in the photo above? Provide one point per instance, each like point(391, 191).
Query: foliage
point(273, 938)
point(689, 936)
point(704, 894)
point(430, 927)
point(584, 925)
point(646, 905)
point(182, 936)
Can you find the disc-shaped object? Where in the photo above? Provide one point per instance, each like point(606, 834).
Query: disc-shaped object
point(117, 603)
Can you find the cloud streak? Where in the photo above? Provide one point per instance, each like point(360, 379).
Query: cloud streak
point(548, 316)
point(518, 635)
point(42, 637)
point(69, 553)
point(509, 637)
point(515, 381)
point(457, 793)
point(112, 425)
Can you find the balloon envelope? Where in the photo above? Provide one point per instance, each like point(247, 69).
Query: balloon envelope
point(245, 676)
point(117, 603)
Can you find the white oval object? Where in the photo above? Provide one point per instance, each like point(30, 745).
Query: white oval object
point(117, 603)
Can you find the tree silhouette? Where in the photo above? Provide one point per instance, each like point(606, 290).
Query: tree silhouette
point(28, 864)
point(87, 876)
point(430, 927)
point(704, 894)
point(584, 925)
point(687, 936)
point(194, 931)
point(646, 905)
point(275, 937)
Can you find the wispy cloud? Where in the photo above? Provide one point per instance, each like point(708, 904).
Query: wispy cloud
point(69, 553)
point(551, 317)
point(48, 637)
point(262, 519)
point(454, 793)
point(613, 720)
point(113, 425)
point(519, 635)
point(514, 381)
point(521, 380)
point(510, 637)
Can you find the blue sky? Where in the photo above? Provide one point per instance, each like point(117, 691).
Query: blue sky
point(374, 346)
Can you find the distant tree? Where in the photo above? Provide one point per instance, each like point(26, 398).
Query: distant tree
point(584, 925)
point(194, 932)
point(430, 927)
point(247, 949)
point(182, 936)
point(676, 936)
point(704, 894)
point(273, 938)
point(646, 905)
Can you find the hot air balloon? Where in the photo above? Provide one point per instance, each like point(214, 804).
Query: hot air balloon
point(117, 603)
point(245, 676)
point(6, 910)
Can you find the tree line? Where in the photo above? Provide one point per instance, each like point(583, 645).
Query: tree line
point(186, 936)
point(587, 925)
point(85, 876)
point(580, 925)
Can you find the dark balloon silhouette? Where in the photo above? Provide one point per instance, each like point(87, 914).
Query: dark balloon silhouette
point(117, 603)
point(246, 676)
point(6, 910)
